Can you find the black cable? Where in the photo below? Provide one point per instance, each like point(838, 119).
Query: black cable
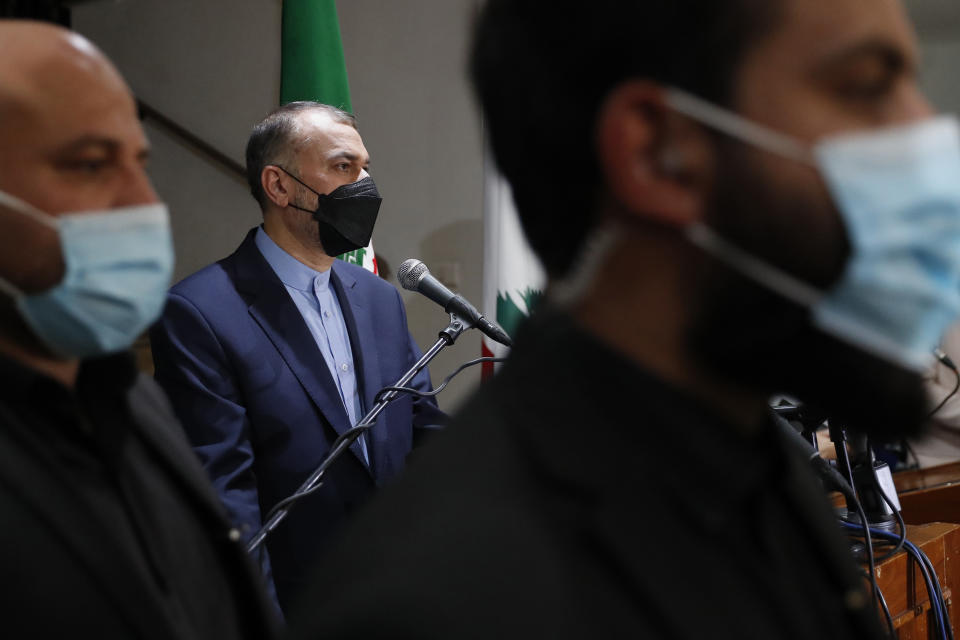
point(944, 612)
point(441, 386)
point(896, 512)
point(868, 550)
point(927, 571)
point(886, 615)
point(949, 364)
point(903, 531)
point(944, 359)
point(934, 590)
point(907, 466)
point(956, 387)
point(898, 545)
point(922, 567)
point(929, 574)
point(835, 478)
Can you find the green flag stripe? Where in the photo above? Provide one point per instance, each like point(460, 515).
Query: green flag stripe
point(313, 66)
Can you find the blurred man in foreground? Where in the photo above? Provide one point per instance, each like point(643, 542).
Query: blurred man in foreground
point(732, 198)
point(110, 529)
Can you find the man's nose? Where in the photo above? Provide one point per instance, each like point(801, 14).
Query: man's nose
point(915, 106)
point(136, 189)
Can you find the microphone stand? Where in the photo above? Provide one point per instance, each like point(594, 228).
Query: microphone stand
point(447, 337)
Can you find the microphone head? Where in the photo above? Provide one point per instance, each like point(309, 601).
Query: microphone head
point(410, 273)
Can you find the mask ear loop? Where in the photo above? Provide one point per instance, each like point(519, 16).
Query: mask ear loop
point(308, 187)
point(312, 190)
point(738, 127)
point(758, 270)
point(10, 290)
point(20, 206)
point(706, 238)
point(12, 202)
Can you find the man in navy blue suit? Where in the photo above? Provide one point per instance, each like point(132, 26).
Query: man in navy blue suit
point(270, 353)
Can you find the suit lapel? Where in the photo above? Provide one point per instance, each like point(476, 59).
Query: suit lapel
point(54, 498)
point(363, 341)
point(276, 313)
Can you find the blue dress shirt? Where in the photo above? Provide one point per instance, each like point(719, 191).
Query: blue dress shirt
point(318, 305)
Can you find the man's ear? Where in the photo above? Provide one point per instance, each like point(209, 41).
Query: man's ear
point(653, 161)
point(273, 186)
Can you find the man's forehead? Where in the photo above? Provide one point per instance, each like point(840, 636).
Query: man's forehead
point(65, 95)
point(97, 119)
point(814, 49)
point(825, 32)
point(323, 137)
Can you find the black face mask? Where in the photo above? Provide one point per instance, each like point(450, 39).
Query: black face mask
point(346, 216)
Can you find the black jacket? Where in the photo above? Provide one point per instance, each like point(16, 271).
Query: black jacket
point(577, 496)
point(72, 569)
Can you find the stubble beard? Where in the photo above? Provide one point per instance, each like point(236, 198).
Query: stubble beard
point(746, 332)
point(305, 226)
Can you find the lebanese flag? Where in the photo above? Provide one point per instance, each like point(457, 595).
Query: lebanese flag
point(312, 67)
point(512, 276)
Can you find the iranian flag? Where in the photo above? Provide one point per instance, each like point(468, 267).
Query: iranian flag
point(512, 276)
point(312, 67)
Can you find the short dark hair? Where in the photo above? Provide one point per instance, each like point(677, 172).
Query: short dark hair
point(542, 69)
point(274, 139)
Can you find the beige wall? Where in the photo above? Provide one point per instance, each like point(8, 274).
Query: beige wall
point(214, 67)
point(938, 25)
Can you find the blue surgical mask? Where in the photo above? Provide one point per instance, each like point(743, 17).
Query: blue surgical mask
point(898, 192)
point(118, 264)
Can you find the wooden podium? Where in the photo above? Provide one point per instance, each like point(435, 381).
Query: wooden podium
point(930, 495)
point(903, 587)
point(926, 496)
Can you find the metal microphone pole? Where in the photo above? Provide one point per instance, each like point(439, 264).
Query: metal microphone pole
point(447, 337)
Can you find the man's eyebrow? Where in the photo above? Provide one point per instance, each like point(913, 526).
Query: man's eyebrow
point(346, 155)
point(82, 143)
point(894, 56)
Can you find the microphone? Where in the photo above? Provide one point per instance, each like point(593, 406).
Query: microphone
point(413, 275)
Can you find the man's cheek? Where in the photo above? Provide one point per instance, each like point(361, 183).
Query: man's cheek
point(780, 212)
point(31, 258)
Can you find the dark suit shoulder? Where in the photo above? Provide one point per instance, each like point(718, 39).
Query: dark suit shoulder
point(202, 283)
